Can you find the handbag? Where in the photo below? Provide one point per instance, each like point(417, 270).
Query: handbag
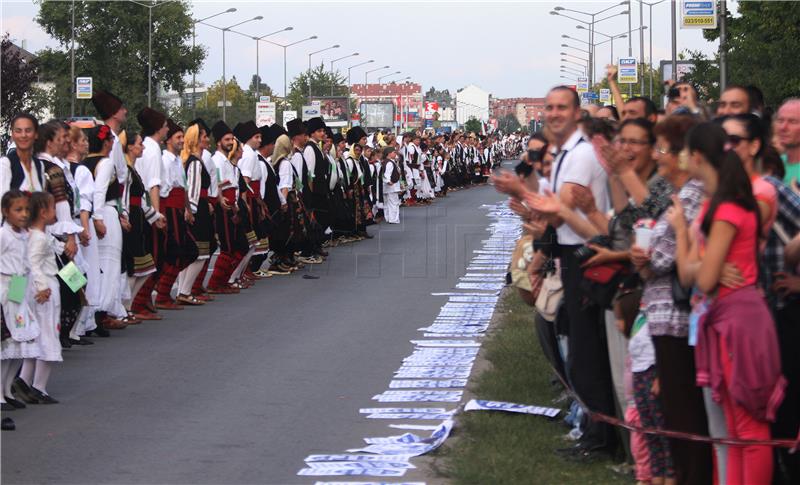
point(680, 295)
point(550, 295)
point(600, 283)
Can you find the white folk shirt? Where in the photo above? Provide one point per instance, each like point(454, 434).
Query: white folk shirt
point(85, 182)
point(174, 176)
point(579, 166)
point(248, 164)
point(388, 186)
point(285, 178)
point(311, 158)
point(227, 173)
point(211, 168)
point(335, 175)
point(117, 157)
point(149, 166)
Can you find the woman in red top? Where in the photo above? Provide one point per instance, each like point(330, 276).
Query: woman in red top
point(737, 352)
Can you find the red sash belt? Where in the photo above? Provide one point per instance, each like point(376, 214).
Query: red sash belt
point(176, 199)
point(255, 186)
point(135, 201)
point(204, 193)
point(230, 195)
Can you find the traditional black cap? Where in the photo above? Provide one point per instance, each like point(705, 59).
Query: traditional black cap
point(278, 130)
point(220, 129)
point(337, 138)
point(172, 128)
point(151, 120)
point(354, 134)
point(244, 131)
point(328, 132)
point(295, 127)
point(106, 103)
point(268, 135)
point(387, 151)
point(202, 124)
point(315, 124)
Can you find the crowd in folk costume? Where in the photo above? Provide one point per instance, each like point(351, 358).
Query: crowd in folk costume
point(139, 216)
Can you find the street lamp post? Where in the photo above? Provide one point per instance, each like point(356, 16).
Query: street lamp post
point(257, 39)
point(334, 61)
point(650, 6)
point(335, 46)
point(407, 78)
point(354, 66)
point(224, 77)
point(72, 61)
point(149, 45)
point(194, 71)
point(286, 46)
point(368, 72)
point(591, 24)
point(380, 78)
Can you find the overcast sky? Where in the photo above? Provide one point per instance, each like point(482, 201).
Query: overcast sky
point(510, 49)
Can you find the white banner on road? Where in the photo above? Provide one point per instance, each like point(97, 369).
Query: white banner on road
point(481, 405)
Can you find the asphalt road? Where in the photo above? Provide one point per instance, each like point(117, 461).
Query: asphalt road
point(241, 390)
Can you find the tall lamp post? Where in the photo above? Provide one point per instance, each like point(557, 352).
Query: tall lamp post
point(591, 24)
point(612, 38)
point(368, 72)
point(335, 46)
point(334, 61)
point(257, 39)
point(286, 46)
point(194, 71)
point(380, 78)
point(407, 78)
point(650, 6)
point(149, 44)
point(353, 67)
point(224, 77)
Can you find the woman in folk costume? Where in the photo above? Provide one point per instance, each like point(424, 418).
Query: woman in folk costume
point(357, 139)
point(106, 219)
point(270, 203)
point(227, 211)
point(136, 252)
point(341, 197)
point(88, 242)
point(290, 190)
point(180, 249)
point(198, 183)
point(198, 288)
point(250, 199)
point(425, 192)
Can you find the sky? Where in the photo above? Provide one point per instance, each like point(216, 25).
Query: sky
point(508, 48)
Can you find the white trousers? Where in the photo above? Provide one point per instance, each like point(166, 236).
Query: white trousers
point(391, 207)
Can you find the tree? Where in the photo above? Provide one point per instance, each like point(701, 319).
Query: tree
point(473, 125)
point(762, 50)
point(508, 123)
point(241, 105)
point(704, 76)
point(112, 45)
point(263, 88)
point(19, 74)
point(323, 83)
point(442, 97)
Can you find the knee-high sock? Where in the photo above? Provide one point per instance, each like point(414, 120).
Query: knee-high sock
point(236, 258)
point(219, 276)
point(26, 374)
point(197, 286)
point(188, 276)
point(164, 287)
point(144, 297)
point(135, 283)
point(42, 375)
point(237, 273)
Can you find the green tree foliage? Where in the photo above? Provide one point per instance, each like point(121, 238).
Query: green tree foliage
point(704, 76)
point(508, 124)
point(763, 43)
point(473, 125)
point(323, 83)
point(19, 75)
point(263, 88)
point(111, 40)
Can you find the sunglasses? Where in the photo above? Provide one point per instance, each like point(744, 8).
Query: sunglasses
point(734, 140)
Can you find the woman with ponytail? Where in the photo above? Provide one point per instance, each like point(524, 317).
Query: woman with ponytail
point(198, 182)
point(736, 352)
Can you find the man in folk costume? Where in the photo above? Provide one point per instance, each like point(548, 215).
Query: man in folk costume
point(316, 190)
point(341, 196)
point(198, 289)
point(390, 186)
point(180, 249)
point(225, 211)
point(250, 200)
point(151, 171)
point(299, 136)
point(408, 170)
point(270, 203)
point(357, 139)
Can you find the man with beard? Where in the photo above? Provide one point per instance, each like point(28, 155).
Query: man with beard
point(316, 191)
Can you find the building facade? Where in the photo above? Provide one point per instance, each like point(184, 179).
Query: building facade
point(472, 102)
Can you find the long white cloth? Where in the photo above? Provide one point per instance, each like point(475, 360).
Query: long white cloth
point(110, 251)
point(391, 207)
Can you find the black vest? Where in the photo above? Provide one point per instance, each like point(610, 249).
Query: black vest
point(18, 171)
point(114, 190)
point(271, 197)
point(321, 173)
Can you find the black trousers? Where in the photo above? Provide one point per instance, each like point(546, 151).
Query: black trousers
point(787, 321)
point(682, 403)
point(587, 366)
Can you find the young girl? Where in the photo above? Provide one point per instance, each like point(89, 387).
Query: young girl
point(736, 332)
point(45, 302)
point(19, 328)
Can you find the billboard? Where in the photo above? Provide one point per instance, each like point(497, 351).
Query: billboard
point(431, 107)
point(335, 111)
point(309, 112)
point(699, 15)
point(377, 115)
point(628, 71)
point(288, 116)
point(265, 113)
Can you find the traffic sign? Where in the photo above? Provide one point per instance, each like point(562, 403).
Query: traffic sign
point(83, 87)
point(628, 72)
point(698, 15)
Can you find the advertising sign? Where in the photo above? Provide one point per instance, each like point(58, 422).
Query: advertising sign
point(289, 116)
point(628, 72)
point(431, 107)
point(583, 85)
point(310, 112)
point(378, 115)
point(265, 114)
point(335, 110)
point(83, 87)
point(698, 15)
point(605, 96)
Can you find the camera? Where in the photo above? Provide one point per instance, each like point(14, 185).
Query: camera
point(583, 253)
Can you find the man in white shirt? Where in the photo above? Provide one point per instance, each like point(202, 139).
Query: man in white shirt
point(247, 133)
point(588, 365)
point(390, 178)
point(317, 192)
point(151, 171)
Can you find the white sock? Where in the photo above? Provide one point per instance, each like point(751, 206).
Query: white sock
point(42, 375)
point(237, 273)
point(135, 283)
point(189, 275)
point(7, 373)
point(26, 374)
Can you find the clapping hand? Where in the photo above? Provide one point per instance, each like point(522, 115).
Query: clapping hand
point(675, 215)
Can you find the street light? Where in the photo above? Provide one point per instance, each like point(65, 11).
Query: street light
point(367, 73)
point(285, 46)
point(407, 78)
point(335, 46)
point(335, 61)
point(257, 39)
point(194, 71)
point(591, 24)
point(354, 66)
point(380, 78)
point(611, 38)
point(574, 57)
point(149, 44)
point(224, 77)
point(576, 48)
point(651, 5)
point(572, 70)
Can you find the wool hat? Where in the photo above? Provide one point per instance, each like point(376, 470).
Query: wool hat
point(278, 130)
point(355, 134)
point(387, 151)
point(202, 124)
point(151, 120)
point(244, 131)
point(337, 138)
point(268, 135)
point(106, 103)
point(295, 127)
point(220, 129)
point(314, 124)
point(172, 128)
